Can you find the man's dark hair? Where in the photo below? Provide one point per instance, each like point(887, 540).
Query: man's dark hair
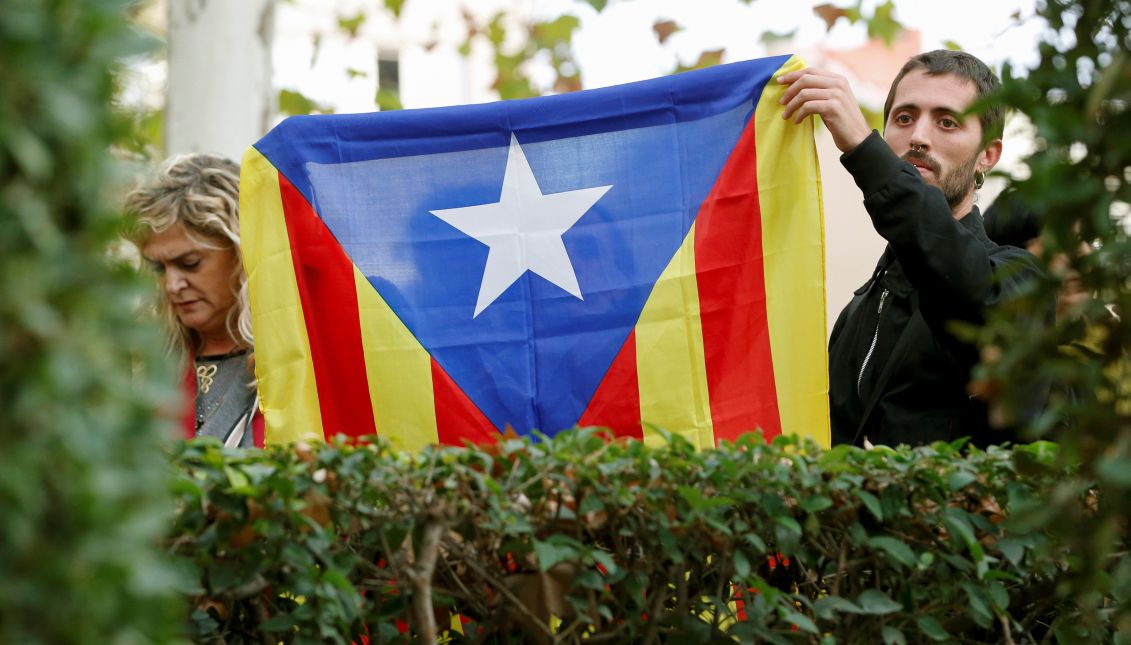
point(962, 65)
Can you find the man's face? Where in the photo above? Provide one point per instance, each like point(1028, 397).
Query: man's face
point(926, 128)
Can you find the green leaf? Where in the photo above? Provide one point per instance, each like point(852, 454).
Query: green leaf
point(998, 595)
point(395, 6)
point(771, 37)
point(238, 481)
point(741, 565)
point(338, 580)
point(757, 542)
point(1013, 549)
point(899, 551)
point(802, 622)
point(892, 636)
point(557, 549)
point(788, 523)
point(29, 151)
point(959, 479)
point(871, 503)
point(698, 502)
point(1116, 471)
point(606, 561)
point(294, 103)
point(350, 25)
point(387, 99)
point(838, 459)
point(826, 608)
point(559, 30)
point(877, 603)
point(280, 623)
point(883, 25)
point(959, 527)
point(931, 627)
point(816, 503)
point(979, 604)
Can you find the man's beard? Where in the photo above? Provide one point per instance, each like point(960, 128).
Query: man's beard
point(956, 183)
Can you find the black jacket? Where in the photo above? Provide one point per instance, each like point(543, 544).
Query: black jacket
point(896, 372)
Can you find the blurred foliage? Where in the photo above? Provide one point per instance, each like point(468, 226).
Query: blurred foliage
point(146, 134)
point(708, 58)
point(575, 538)
point(350, 25)
point(519, 45)
point(388, 100)
point(292, 102)
point(549, 41)
point(881, 22)
point(83, 476)
point(1078, 186)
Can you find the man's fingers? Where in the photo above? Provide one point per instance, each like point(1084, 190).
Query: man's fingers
point(790, 77)
point(821, 97)
point(786, 79)
point(809, 108)
point(809, 80)
point(809, 91)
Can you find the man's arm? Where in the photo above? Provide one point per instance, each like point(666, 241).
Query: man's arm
point(941, 258)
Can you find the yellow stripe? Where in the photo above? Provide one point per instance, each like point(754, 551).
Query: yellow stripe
point(669, 355)
point(288, 393)
point(789, 193)
point(399, 371)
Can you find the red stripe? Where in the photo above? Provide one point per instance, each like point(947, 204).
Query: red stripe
point(457, 418)
point(616, 404)
point(188, 415)
point(732, 299)
point(258, 429)
point(326, 288)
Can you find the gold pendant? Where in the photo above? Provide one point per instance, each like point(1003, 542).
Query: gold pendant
point(204, 374)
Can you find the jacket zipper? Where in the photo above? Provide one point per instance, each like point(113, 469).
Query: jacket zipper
point(875, 337)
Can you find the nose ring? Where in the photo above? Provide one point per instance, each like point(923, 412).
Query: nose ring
point(916, 148)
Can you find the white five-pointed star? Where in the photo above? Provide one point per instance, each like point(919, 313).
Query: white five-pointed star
point(523, 230)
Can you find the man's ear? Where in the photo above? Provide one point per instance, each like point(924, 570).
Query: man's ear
point(990, 156)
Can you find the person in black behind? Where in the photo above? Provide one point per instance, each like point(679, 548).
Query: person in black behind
point(897, 374)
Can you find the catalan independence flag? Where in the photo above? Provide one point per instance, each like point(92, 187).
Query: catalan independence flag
point(637, 257)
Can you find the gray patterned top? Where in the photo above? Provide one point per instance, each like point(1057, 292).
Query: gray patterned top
point(226, 398)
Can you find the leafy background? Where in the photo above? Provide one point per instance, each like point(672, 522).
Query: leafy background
point(1017, 545)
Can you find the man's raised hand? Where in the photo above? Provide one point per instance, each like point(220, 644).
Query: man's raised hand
point(811, 91)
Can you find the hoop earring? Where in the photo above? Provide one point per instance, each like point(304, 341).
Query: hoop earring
point(979, 179)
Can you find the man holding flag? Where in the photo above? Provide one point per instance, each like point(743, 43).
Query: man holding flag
point(897, 373)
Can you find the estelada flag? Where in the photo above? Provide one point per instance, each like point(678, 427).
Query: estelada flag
point(637, 257)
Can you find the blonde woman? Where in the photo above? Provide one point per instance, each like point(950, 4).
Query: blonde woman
point(188, 233)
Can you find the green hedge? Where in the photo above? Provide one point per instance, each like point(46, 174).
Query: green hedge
point(83, 498)
point(575, 538)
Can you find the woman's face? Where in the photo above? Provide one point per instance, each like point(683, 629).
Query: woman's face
point(198, 281)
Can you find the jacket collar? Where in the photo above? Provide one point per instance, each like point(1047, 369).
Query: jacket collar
point(974, 223)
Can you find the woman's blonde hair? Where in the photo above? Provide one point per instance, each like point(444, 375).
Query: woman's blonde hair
point(201, 191)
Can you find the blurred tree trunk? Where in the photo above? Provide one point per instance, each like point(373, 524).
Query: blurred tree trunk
point(219, 91)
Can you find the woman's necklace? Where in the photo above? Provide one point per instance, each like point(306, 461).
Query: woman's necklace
point(206, 376)
point(206, 373)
